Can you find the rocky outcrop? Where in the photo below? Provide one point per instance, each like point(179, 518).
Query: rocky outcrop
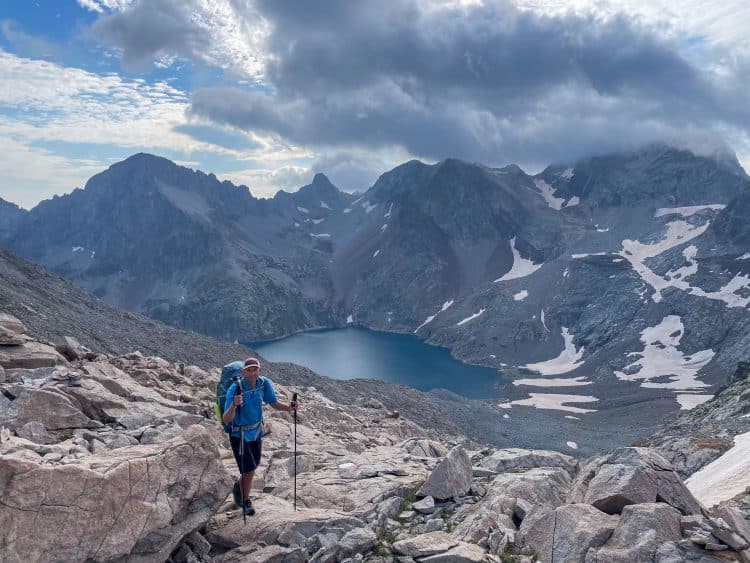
point(566, 533)
point(135, 503)
point(452, 478)
point(112, 456)
point(632, 476)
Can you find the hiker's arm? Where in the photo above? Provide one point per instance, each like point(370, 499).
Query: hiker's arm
point(228, 415)
point(236, 400)
point(279, 406)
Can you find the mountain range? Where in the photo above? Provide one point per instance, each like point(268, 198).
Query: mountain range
point(612, 289)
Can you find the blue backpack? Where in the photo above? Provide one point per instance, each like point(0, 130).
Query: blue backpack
point(229, 374)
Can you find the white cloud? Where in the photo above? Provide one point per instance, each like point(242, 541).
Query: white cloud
point(45, 102)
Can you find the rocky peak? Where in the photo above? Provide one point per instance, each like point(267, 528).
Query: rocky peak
point(10, 215)
point(657, 174)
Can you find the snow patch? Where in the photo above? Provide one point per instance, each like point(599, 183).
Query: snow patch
point(324, 205)
point(572, 445)
point(303, 209)
point(725, 477)
point(349, 319)
point(544, 323)
point(323, 235)
point(368, 206)
point(568, 360)
point(296, 224)
point(745, 256)
point(587, 254)
point(548, 192)
point(571, 417)
point(93, 253)
point(428, 320)
point(348, 210)
point(660, 359)
point(388, 214)
point(565, 273)
point(553, 382)
point(635, 252)
point(432, 317)
point(728, 293)
point(470, 318)
point(601, 229)
point(567, 173)
point(383, 228)
point(376, 253)
point(521, 295)
point(506, 415)
point(552, 401)
point(521, 267)
point(77, 249)
point(318, 221)
point(575, 200)
point(689, 401)
point(687, 211)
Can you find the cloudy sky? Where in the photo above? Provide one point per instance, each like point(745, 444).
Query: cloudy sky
point(268, 92)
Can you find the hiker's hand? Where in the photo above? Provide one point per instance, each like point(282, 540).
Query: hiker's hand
point(237, 400)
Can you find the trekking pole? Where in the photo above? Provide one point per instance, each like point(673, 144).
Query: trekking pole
point(294, 402)
point(242, 457)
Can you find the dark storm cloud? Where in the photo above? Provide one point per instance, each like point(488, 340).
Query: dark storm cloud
point(150, 28)
point(489, 83)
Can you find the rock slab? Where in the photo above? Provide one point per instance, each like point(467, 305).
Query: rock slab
point(451, 478)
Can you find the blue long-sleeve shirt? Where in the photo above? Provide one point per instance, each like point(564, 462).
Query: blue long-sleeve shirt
point(251, 412)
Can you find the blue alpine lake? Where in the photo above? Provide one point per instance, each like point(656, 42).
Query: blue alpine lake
point(352, 353)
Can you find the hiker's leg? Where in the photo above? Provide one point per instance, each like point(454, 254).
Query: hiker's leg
point(247, 483)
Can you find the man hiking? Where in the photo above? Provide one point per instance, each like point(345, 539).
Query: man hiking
point(243, 410)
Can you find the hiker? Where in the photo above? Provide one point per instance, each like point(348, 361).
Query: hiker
point(243, 411)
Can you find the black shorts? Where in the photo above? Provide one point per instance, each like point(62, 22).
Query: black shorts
point(250, 460)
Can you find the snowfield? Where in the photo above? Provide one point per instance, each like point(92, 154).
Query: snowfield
point(521, 295)
point(553, 382)
point(661, 359)
point(687, 211)
point(470, 318)
point(725, 477)
point(635, 252)
point(689, 401)
point(548, 193)
point(551, 401)
point(521, 267)
point(432, 317)
point(568, 360)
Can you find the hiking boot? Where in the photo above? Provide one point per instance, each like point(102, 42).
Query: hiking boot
point(237, 495)
point(249, 510)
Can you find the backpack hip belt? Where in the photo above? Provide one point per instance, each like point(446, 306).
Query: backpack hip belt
point(242, 428)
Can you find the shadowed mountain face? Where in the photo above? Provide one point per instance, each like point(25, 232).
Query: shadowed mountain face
point(10, 216)
point(594, 288)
